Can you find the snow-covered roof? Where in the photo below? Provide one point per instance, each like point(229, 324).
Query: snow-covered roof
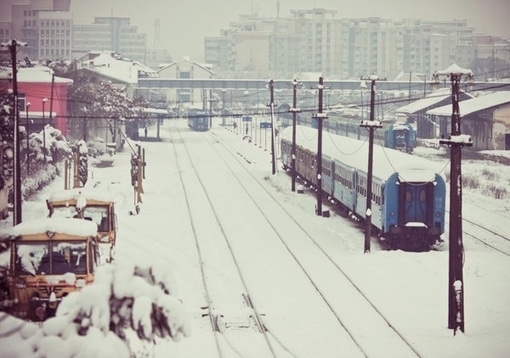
point(354, 153)
point(428, 101)
point(115, 66)
point(37, 74)
point(474, 105)
point(205, 67)
point(406, 76)
point(69, 226)
point(77, 193)
point(454, 69)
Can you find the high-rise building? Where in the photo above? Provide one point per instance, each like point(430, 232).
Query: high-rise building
point(55, 35)
point(316, 41)
point(21, 20)
point(110, 34)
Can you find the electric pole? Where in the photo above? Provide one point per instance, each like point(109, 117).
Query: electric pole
point(294, 111)
point(456, 251)
point(319, 117)
point(271, 106)
point(371, 125)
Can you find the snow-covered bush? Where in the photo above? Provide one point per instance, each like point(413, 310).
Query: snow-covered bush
point(123, 313)
point(39, 166)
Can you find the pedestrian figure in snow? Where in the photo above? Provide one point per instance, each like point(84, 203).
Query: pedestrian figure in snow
point(145, 132)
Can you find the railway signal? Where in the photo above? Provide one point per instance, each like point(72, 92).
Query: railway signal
point(271, 106)
point(138, 174)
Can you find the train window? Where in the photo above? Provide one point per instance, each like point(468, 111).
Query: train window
point(423, 195)
point(409, 196)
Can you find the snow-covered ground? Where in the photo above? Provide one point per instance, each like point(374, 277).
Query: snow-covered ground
point(408, 288)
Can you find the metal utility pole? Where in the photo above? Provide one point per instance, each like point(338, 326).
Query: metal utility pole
point(456, 251)
point(211, 100)
point(371, 126)
point(27, 107)
point(294, 111)
point(44, 100)
point(51, 100)
point(13, 46)
point(271, 106)
point(319, 116)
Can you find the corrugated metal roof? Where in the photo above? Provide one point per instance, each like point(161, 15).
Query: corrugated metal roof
point(474, 105)
point(429, 100)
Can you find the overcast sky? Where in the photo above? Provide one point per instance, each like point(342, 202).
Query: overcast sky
point(185, 23)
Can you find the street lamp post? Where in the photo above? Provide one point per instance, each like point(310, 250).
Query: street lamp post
point(13, 47)
point(456, 252)
point(44, 100)
point(28, 134)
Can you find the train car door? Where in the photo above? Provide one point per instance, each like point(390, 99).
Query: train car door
point(417, 201)
point(400, 138)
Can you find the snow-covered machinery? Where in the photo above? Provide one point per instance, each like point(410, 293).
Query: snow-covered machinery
point(50, 258)
point(89, 204)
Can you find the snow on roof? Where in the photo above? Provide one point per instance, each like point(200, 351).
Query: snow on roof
point(37, 74)
point(114, 66)
point(354, 153)
point(77, 193)
point(151, 110)
point(206, 67)
point(69, 226)
point(429, 100)
point(474, 105)
point(454, 68)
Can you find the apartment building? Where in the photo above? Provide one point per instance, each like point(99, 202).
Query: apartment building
point(110, 34)
point(47, 27)
point(28, 21)
point(317, 41)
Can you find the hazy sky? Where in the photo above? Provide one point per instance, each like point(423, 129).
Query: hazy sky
point(185, 23)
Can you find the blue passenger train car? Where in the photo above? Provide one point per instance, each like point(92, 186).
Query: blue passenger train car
point(400, 136)
point(198, 120)
point(408, 192)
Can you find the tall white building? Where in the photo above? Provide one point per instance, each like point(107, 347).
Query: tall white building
point(110, 34)
point(316, 41)
point(55, 34)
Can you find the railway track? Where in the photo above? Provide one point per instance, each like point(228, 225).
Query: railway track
point(487, 237)
point(232, 308)
point(312, 262)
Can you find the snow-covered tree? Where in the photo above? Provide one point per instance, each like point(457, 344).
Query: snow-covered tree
point(98, 105)
point(42, 159)
point(127, 310)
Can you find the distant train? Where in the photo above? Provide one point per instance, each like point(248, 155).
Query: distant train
point(198, 120)
point(408, 193)
point(400, 136)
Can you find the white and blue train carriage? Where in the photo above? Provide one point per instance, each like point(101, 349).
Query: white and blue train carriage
point(408, 192)
point(198, 120)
